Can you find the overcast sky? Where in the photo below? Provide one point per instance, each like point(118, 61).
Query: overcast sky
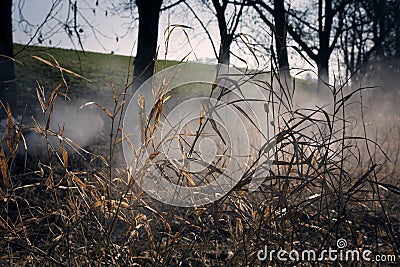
point(108, 28)
point(102, 37)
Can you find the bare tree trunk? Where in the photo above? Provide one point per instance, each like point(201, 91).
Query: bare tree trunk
point(226, 38)
point(325, 27)
point(225, 50)
point(323, 76)
point(149, 15)
point(7, 72)
point(280, 39)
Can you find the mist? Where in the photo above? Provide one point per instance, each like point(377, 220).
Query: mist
point(81, 125)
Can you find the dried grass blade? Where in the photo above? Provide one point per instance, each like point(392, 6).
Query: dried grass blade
point(60, 68)
point(65, 157)
point(9, 128)
point(106, 111)
point(3, 167)
point(189, 178)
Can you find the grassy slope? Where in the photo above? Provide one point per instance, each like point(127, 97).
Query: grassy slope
point(101, 69)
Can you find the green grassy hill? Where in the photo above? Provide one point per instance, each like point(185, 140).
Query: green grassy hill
point(102, 70)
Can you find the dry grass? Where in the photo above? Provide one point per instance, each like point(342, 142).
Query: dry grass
point(82, 208)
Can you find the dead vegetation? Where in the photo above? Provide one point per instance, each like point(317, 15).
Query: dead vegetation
point(77, 206)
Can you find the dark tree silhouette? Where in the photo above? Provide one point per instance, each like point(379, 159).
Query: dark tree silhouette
point(149, 15)
point(318, 35)
point(7, 73)
point(225, 36)
point(371, 45)
point(228, 14)
point(227, 30)
point(280, 37)
point(278, 25)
